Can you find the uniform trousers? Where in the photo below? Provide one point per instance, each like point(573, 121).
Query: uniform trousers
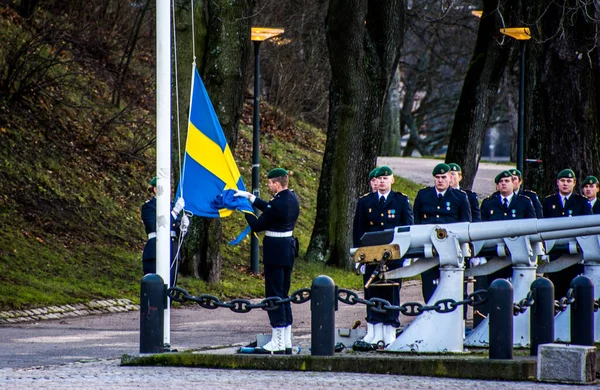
point(389, 293)
point(277, 284)
point(149, 263)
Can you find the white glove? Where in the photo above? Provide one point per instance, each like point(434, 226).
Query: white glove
point(244, 194)
point(185, 222)
point(179, 205)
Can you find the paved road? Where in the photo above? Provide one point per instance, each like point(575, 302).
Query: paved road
point(419, 171)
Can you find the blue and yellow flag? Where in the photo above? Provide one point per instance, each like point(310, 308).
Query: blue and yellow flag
point(209, 173)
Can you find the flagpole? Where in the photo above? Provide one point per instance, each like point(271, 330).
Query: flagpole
point(163, 153)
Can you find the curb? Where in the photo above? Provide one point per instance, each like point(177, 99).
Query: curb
point(66, 311)
point(464, 367)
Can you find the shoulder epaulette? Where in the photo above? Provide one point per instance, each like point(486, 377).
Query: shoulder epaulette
point(363, 195)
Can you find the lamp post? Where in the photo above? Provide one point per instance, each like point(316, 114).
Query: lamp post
point(259, 34)
point(521, 34)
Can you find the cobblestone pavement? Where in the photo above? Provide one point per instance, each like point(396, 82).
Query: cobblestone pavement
point(108, 374)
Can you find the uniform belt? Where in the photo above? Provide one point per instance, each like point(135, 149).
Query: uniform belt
point(153, 235)
point(269, 233)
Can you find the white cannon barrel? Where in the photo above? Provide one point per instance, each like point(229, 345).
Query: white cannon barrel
point(419, 237)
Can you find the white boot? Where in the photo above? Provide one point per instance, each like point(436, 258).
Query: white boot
point(370, 334)
point(287, 338)
point(378, 333)
point(389, 334)
point(276, 345)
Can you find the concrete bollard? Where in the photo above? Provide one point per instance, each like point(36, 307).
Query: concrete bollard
point(582, 311)
point(500, 296)
point(152, 314)
point(542, 314)
point(323, 300)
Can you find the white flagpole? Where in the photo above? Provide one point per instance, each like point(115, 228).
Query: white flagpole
point(163, 152)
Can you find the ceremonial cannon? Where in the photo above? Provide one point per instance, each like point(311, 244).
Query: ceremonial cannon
point(448, 245)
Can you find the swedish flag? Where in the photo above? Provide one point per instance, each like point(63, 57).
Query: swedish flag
point(209, 173)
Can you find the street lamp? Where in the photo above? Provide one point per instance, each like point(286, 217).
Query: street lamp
point(259, 34)
point(521, 34)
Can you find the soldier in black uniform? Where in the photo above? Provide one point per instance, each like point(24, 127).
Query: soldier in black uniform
point(455, 179)
point(374, 184)
point(148, 212)
point(378, 211)
point(439, 204)
point(590, 191)
point(517, 178)
point(565, 203)
point(505, 204)
point(277, 220)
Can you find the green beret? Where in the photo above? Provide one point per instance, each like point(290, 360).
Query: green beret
point(372, 173)
point(590, 180)
point(454, 167)
point(440, 169)
point(568, 173)
point(277, 172)
point(515, 172)
point(152, 182)
point(501, 175)
point(383, 171)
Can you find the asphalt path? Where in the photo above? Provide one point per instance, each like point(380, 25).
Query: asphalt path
point(419, 170)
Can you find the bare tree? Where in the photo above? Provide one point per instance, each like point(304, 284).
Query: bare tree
point(480, 88)
point(223, 33)
point(364, 39)
point(563, 92)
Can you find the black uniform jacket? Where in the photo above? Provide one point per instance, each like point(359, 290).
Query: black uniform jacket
point(474, 203)
point(453, 207)
point(537, 206)
point(576, 205)
point(278, 215)
point(520, 207)
point(372, 217)
point(596, 207)
point(149, 219)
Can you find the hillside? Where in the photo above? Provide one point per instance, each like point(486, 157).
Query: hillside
point(74, 170)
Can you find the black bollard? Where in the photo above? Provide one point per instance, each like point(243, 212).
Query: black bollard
point(500, 296)
point(152, 314)
point(542, 314)
point(322, 308)
point(582, 311)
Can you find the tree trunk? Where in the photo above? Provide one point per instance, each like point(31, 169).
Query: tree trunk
point(227, 34)
point(391, 145)
point(480, 88)
point(563, 87)
point(364, 40)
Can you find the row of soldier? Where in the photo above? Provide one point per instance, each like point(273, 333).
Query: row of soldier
point(445, 202)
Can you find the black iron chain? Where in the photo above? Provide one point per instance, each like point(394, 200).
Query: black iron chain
point(207, 301)
point(412, 309)
point(521, 306)
point(564, 302)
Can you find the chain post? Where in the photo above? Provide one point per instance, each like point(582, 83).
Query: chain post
point(582, 311)
point(322, 309)
point(152, 314)
point(542, 314)
point(500, 295)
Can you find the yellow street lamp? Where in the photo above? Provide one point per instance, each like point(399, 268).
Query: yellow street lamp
point(258, 35)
